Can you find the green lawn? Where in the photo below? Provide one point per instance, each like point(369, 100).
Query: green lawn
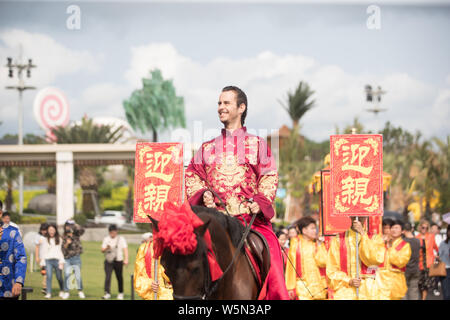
point(93, 276)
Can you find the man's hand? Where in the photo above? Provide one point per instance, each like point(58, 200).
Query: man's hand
point(357, 226)
point(355, 282)
point(155, 287)
point(125, 261)
point(254, 208)
point(16, 289)
point(208, 199)
point(61, 266)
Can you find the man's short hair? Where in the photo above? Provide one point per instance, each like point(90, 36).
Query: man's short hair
point(44, 226)
point(304, 222)
point(435, 224)
point(387, 222)
point(241, 98)
point(112, 227)
point(1, 205)
point(398, 222)
point(408, 227)
point(6, 214)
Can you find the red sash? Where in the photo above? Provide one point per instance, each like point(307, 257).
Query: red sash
point(343, 256)
point(148, 260)
point(298, 260)
point(398, 248)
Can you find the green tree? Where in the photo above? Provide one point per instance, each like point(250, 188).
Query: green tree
point(298, 103)
point(296, 167)
point(87, 132)
point(155, 106)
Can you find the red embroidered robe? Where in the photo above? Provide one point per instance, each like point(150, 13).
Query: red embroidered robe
point(239, 166)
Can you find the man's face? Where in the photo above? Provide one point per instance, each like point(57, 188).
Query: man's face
point(386, 229)
point(396, 231)
point(113, 233)
point(434, 229)
point(423, 228)
point(310, 231)
point(292, 233)
point(282, 239)
point(6, 219)
point(228, 109)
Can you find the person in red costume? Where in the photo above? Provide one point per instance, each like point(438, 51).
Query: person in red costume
point(239, 166)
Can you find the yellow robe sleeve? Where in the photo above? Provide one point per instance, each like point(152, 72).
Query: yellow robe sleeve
point(372, 251)
point(338, 278)
point(321, 256)
point(399, 258)
point(142, 283)
point(291, 276)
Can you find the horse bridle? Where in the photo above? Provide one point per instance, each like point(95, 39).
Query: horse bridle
point(209, 286)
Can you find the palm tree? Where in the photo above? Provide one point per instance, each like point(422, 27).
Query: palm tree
point(299, 102)
point(155, 107)
point(87, 132)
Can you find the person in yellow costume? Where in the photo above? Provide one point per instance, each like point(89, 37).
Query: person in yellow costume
point(341, 263)
point(305, 270)
point(392, 281)
point(144, 283)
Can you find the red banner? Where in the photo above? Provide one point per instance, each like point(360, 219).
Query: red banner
point(356, 175)
point(330, 225)
point(158, 178)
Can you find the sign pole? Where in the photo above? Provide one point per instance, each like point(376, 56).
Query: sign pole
point(155, 296)
point(357, 260)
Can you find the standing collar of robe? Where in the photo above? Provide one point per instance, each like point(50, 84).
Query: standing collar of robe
point(236, 133)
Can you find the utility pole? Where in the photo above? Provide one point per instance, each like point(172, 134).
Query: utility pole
point(21, 87)
point(374, 96)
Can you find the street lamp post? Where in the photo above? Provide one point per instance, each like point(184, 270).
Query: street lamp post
point(21, 87)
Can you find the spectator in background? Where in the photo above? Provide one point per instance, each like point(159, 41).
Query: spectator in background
point(282, 239)
point(426, 258)
point(72, 250)
point(54, 259)
point(444, 255)
point(6, 218)
point(13, 261)
point(292, 234)
point(40, 254)
point(412, 273)
point(116, 255)
point(436, 230)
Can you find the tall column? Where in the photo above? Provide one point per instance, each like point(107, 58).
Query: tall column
point(64, 187)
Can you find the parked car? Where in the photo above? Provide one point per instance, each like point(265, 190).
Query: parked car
point(111, 217)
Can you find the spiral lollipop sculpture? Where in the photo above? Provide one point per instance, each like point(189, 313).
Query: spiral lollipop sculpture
point(51, 109)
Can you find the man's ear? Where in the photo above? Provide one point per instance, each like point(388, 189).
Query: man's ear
point(242, 108)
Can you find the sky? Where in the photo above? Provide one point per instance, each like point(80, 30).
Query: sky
point(263, 47)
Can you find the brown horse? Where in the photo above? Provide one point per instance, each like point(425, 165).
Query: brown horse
point(190, 275)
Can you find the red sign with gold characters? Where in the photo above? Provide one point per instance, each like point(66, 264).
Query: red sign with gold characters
point(330, 225)
point(158, 178)
point(356, 175)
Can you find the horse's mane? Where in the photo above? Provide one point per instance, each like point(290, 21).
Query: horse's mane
point(233, 226)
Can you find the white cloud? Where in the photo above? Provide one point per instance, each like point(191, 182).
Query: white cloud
point(267, 77)
point(53, 61)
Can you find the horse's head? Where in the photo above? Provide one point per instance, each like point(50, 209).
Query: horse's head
point(184, 256)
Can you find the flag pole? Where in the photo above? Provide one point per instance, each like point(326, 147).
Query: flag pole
point(156, 278)
point(357, 261)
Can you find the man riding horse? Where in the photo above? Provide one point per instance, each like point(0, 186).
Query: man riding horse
point(238, 171)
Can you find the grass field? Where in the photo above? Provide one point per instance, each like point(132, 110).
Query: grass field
point(93, 276)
